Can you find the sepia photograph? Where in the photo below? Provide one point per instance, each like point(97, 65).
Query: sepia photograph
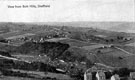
point(67, 40)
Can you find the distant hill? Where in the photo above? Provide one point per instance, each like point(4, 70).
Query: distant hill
point(113, 26)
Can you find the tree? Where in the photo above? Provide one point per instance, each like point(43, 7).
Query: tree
point(98, 51)
point(107, 41)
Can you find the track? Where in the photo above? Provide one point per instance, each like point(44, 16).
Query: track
point(104, 65)
point(15, 59)
point(124, 51)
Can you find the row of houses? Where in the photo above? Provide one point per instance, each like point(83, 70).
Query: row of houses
point(106, 75)
point(100, 75)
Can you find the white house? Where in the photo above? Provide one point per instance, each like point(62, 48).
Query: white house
point(115, 77)
point(132, 75)
point(100, 75)
point(87, 76)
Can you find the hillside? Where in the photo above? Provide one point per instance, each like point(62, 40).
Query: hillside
point(51, 49)
point(66, 48)
point(114, 26)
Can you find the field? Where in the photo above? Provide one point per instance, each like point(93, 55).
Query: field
point(16, 78)
point(93, 46)
point(131, 44)
point(74, 42)
point(11, 34)
point(20, 36)
point(32, 58)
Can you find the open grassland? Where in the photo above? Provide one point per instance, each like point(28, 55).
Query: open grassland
point(16, 78)
point(130, 49)
point(74, 42)
point(32, 58)
point(93, 46)
point(10, 34)
point(20, 36)
point(39, 74)
point(131, 44)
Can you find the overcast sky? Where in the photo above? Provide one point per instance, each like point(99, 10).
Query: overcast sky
point(69, 10)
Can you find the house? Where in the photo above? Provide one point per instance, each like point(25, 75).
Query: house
point(87, 76)
point(132, 75)
point(115, 77)
point(100, 75)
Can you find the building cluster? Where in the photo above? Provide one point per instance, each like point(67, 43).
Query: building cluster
point(101, 75)
point(36, 38)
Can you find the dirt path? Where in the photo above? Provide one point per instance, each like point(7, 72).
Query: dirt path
point(13, 58)
point(124, 51)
